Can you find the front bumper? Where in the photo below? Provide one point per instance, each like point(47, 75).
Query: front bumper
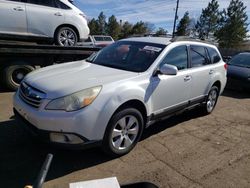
point(44, 135)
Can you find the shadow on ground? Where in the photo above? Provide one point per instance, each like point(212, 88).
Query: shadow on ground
point(236, 93)
point(21, 157)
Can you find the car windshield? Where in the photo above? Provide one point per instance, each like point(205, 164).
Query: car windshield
point(128, 55)
point(242, 60)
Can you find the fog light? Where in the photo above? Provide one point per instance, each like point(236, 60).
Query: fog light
point(65, 138)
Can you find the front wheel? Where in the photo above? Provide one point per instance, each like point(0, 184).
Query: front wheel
point(123, 132)
point(66, 36)
point(211, 100)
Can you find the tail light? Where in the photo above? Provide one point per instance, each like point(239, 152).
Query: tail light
point(225, 66)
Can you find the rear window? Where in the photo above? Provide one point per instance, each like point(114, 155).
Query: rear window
point(98, 38)
point(107, 39)
point(242, 60)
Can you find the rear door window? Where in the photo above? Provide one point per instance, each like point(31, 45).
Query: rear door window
point(48, 3)
point(198, 56)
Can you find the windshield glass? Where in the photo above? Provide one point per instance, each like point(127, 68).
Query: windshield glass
point(128, 55)
point(242, 60)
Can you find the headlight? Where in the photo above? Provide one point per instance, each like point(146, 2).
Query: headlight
point(75, 101)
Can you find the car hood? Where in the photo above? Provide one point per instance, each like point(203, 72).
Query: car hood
point(64, 79)
point(238, 72)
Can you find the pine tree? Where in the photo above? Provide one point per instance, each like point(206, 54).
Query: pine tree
point(113, 27)
point(208, 21)
point(102, 24)
point(233, 25)
point(126, 30)
point(93, 27)
point(139, 28)
point(182, 28)
point(161, 31)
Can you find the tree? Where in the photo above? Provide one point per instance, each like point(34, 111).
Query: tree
point(139, 28)
point(101, 24)
point(113, 27)
point(161, 31)
point(233, 25)
point(182, 28)
point(150, 27)
point(208, 21)
point(126, 30)
point(93, 27)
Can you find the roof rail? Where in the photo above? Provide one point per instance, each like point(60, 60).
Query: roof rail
point(187, 38)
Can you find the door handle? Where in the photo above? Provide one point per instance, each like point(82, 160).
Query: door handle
point(187, 78)
point(58, 14)
point(211, 71)
point(18, 9)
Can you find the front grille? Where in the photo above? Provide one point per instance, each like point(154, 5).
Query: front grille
point(31, 95)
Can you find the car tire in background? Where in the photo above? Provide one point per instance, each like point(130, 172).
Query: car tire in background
point(66, 36)
point(211, 100)
point(13, 75)
point(123, 132)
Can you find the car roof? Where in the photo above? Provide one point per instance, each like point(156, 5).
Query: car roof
point(166, 41)
point(157, 40)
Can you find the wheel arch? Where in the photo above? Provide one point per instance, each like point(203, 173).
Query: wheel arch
point(70, 26)
point(137, 104)
point(217, 84)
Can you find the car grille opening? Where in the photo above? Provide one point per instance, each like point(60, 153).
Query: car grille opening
point(31, 95)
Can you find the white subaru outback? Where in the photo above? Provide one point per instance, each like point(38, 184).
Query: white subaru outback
point(113, 95)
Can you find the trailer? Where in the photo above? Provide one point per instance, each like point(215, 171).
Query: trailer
point(18, 59)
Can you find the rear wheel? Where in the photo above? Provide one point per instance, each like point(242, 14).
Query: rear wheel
point(123, 132)
point(66, 36)
point(211, 100)
point(13, 75)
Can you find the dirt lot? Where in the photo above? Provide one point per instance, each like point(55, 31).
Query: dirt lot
point(188, 150)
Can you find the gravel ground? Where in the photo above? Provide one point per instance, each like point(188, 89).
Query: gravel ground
point(188, 150)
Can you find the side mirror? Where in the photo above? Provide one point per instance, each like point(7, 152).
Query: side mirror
point(168, 69)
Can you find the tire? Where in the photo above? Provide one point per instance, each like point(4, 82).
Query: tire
point(211, 100)
point(66, 36)
point(13, 75)
point(121, 139)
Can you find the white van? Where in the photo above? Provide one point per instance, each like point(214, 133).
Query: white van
point(57, 21)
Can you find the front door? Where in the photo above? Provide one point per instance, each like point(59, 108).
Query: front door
point(172, 92)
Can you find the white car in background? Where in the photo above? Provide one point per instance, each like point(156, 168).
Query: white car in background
point(97, 41)
point(113, 95)
point(57, 21)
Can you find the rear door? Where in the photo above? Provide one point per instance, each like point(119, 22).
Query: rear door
point(12, 17)
point(201, 72)
point(43, 17)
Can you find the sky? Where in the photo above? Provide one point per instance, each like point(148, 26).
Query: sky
point(158, 12)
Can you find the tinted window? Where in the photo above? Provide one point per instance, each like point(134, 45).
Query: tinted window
point(98, 38)
point(214, 56)
point(178, 57)
point(128, 55)
point(198, 56)
point(61, 5)
point(107, 38)
point(242, 60)
point(49, 3)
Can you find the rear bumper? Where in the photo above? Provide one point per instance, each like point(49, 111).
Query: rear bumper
point(44, 135)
